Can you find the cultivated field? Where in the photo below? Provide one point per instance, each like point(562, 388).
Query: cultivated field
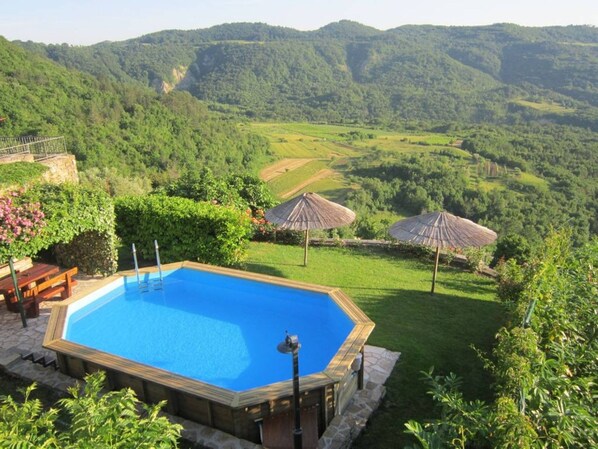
point(318, 158)
point(548, 108)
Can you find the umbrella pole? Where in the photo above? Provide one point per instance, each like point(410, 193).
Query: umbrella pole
point(305, 250)
point(435, 268)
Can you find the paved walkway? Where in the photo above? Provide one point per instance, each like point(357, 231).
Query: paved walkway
point(14, 340)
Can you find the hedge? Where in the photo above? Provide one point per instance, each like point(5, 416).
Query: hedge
point(185, 229)
point(79, 226)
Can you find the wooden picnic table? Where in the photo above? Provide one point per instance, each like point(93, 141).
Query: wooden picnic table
point(40, 282)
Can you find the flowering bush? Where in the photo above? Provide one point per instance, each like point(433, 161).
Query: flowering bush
point(260, 226)
point(264, 231)
point(19, 223)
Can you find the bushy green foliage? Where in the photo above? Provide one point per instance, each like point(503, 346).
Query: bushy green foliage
point(114, 183)
point(369, 228)
point(477, 258)
point(20, 173)
point(512, 246)
point(185, 229)
point(511, 281)
point(97, 420)
point(544, 364)
point(239, 191)
point(81, 221)
point(462, 420)
point(92, 251)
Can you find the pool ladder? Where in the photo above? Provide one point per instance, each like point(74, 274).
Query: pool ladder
point(144, 286)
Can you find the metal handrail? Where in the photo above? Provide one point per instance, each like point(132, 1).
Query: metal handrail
point(160, 282)
point(143, 285)
point(32, 145)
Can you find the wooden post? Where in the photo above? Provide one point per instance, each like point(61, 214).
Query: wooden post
point(13, 273)
point(306, 245)
point(435, 268)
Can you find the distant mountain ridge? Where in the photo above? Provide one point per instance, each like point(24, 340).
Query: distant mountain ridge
point(349, 72)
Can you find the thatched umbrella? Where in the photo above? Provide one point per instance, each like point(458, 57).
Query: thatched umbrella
point(309, 211)
point(441, 230)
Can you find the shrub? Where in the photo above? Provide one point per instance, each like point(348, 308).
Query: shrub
point(510, 281)
point(96, 421)
point(74, 216)
point(185, 229)
point(371, 228)
point(512, 246)
point(91, 251)
point(477, 258)
point(114, 183)
point(239, 191)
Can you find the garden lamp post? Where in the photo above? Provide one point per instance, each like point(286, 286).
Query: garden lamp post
point(291, 345)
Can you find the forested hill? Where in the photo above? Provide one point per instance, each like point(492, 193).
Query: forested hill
point(128, 128)
point(349, 72)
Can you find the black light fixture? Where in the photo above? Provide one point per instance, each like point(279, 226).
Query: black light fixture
point(291, 345)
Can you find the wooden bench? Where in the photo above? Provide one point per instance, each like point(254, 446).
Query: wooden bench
point(58, 287)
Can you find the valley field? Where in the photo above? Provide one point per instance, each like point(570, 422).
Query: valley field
point(319, 158)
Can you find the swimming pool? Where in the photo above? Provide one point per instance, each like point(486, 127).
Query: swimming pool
point(206, 341)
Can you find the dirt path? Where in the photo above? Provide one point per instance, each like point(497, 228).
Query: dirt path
point(325, 173)
point(281, 167)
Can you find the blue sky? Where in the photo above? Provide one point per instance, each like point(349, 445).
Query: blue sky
point(83, 22)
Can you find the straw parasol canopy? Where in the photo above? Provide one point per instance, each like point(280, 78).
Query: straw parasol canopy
point(441, 230)
point(309, 211)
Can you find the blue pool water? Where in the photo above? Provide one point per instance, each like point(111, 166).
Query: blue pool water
point(213, 328)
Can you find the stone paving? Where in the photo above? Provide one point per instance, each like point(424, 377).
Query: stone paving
point(15, 340)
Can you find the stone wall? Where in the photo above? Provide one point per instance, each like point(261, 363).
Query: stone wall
point(62, 168)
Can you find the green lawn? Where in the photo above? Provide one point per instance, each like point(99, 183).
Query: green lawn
point(429, 330)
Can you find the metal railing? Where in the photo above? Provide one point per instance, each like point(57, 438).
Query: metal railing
point(41, 147)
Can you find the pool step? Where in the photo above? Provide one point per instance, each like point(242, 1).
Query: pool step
point(40, 359)
point(154, 284)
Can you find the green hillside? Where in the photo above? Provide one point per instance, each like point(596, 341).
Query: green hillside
point(126, 127)
point(347, 72)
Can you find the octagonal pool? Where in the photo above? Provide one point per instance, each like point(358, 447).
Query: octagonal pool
point(206, 339)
